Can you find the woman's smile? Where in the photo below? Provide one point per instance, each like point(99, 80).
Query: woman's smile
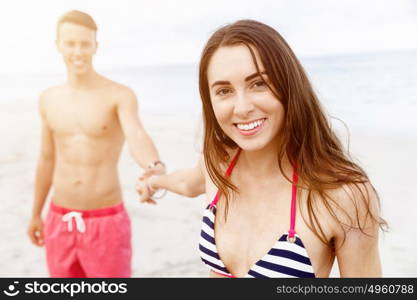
point(250, 128)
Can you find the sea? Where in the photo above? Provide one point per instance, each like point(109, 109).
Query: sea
point(375, 91)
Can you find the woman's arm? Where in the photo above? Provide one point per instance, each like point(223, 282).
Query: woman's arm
point(187, 182)
point(357, 251)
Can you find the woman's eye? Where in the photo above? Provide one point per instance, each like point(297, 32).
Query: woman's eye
point(259, 84)
point(222, 92)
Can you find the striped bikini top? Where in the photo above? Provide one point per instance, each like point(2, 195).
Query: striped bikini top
point(286, 258)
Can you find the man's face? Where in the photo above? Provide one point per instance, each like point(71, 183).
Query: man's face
point(77, 44)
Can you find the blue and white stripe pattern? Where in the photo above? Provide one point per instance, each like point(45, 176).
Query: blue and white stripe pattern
point(285, 259)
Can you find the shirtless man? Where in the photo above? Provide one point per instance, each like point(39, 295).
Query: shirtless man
point(84, 124)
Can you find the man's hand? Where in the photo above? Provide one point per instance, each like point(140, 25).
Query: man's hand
point(35, 231)
point(143, 188)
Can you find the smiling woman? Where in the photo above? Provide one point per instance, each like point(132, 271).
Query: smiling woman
point(270, 156)
point(241, 99)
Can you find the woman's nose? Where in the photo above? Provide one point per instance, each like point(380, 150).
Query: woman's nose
point(243, 104)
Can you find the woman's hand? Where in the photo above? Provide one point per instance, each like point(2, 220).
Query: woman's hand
point(144, 189)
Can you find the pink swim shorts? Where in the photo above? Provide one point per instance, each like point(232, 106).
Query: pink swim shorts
point(88, 243)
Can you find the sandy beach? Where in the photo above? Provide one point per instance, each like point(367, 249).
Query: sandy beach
point(165, 237)
point(359, 55)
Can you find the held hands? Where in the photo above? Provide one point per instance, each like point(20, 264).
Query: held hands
point(155, 168)
point(144, 186)
point(35, 231)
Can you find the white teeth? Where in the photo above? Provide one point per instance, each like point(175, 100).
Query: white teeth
point(250, 126)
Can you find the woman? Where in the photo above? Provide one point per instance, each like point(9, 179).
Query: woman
point(284, 198)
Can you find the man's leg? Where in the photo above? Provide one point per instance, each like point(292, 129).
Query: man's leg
point(60, 248)
point(106, 249)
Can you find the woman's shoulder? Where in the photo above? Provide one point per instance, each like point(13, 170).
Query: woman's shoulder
point(209, 185)
point(356, 231)
point(221, 165)
point(211, 188)
point(351, 207)
point(357, 198)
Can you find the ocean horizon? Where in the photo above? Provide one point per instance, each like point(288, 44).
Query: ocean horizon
point(375, 91)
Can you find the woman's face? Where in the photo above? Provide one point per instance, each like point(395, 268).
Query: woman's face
point(246, 109)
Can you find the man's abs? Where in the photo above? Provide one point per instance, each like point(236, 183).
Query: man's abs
point(88, 139)
point(86, 186)
point(85, 174)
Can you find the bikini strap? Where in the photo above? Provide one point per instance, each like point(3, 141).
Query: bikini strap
point(228, 173)
point(291, 232)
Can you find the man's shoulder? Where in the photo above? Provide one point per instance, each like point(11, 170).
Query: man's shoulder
point(120, 92)
point(52, 91)
point(122, 89)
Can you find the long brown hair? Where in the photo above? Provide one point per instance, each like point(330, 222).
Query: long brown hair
point(306, 137)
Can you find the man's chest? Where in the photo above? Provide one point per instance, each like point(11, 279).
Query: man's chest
point(86, 116)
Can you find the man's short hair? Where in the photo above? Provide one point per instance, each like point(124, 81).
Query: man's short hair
point(78, 17)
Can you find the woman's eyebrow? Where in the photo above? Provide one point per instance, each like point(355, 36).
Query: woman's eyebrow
point(250, 77)
point(221, 82)
point(254, 75)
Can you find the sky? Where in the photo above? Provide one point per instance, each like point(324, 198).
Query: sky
point(135, 33)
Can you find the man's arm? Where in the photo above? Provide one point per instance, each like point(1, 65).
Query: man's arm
point(139, 142)
point(43, 180)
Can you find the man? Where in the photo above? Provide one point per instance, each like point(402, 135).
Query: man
point(84, 123)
